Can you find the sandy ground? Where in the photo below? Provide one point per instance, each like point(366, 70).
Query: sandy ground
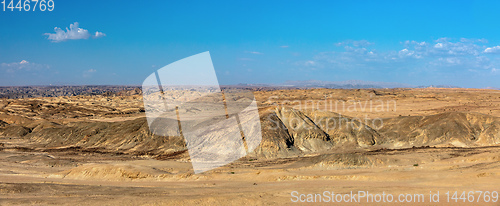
point(72, 177)
point(45, 178)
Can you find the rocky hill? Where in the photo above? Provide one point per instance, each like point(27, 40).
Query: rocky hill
point(286, 133)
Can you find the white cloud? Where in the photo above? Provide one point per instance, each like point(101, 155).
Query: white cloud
point(99, 34)
point(453, 60)
point(445, 47)
point(74, 32)
point(88, 73)
point(439, 46)
point(406, 53)
point(444, 55)
point(473, 40)
point(284, 46)
point(254, 52)
point(492, 50)
point(310, 63)
point(360, 43)
point(23, 65)
point(443, 39)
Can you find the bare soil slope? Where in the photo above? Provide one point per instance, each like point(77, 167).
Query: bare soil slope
point(98, 149)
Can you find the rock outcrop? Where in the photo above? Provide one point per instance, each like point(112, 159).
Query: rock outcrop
point(286, 132)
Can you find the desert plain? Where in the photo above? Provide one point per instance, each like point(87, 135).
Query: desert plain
point(97, 149)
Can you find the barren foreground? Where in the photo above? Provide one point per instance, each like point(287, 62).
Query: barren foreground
point(98, 150)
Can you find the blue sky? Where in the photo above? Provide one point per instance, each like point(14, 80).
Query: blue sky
point(414, 42)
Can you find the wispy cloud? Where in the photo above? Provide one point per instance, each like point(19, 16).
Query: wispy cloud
point(89, 73)
point(284, 46)
point(245, 59)
point(23, 65)
point(360, 43)
point(443, 54)
point(73, 33)
point(254, 52)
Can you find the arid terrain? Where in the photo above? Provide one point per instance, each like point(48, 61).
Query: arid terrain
point(98, 150)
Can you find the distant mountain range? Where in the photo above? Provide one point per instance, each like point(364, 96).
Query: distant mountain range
point(439, 86)
point(350, 84)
